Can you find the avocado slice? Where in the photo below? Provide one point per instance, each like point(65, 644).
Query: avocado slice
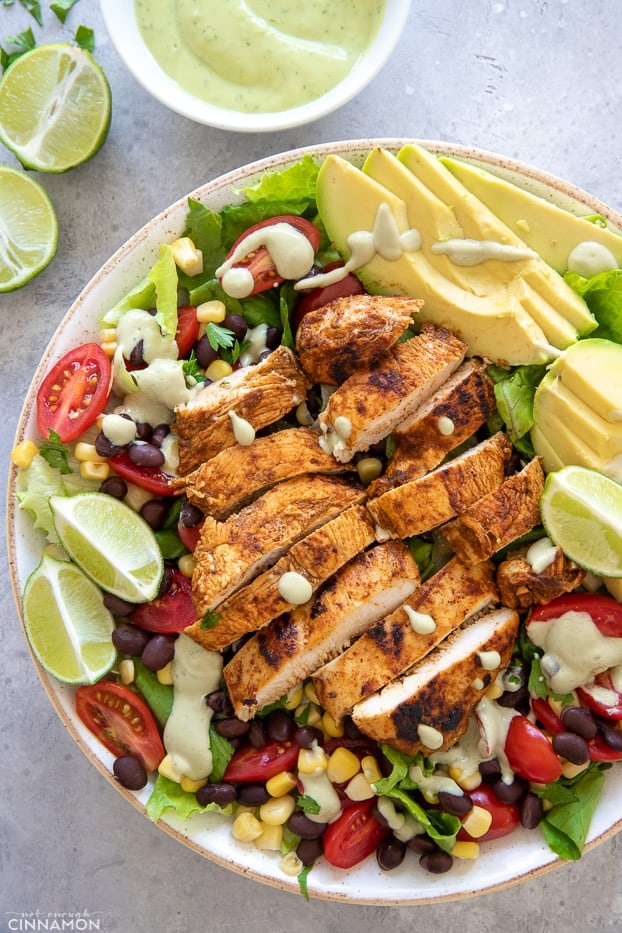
point(547, 228)
point(592, 369)
point(570, 409)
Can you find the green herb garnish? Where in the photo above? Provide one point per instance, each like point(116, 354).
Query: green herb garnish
point(56, 453)
point(210, 619)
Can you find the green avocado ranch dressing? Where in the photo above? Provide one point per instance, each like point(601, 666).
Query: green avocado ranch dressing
point(259, 57)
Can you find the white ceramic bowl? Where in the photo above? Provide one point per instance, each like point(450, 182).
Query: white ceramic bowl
point(120, 19)
point(502, 862)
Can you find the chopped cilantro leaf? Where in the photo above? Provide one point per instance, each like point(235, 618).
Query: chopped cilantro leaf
point(210, 619)
point(34, 8)
point(55, 453)
point(219, 336)
point(22, 42)
point(85, 38)
point(308, 804)
point(61, 8)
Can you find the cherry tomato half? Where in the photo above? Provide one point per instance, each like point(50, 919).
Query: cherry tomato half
point(314, 298)
point(259, 261)
point(505, 816)
point(260, 764)
point(121, 721)
point(187, 329)
point(150, 478)
point(599, 750)
point(189, 535)
point(529, 752)
point(602, 697)
point(172, 612)
point(606, 612)
point(74, 392)
point(354, 835)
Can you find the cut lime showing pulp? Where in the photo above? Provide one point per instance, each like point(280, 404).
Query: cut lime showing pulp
point(582, 513)
point(111, 543)
point(28, 229)
point(54, 107)
point(68, 626)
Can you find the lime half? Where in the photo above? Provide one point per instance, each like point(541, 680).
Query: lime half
point(68, 626)
point(28, 229)
point(582, 513)
point(54, 107)
point(111, 543)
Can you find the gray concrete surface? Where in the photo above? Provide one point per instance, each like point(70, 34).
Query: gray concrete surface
point(538, 80)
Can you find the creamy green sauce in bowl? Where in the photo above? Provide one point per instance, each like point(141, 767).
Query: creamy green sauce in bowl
point(262, 56)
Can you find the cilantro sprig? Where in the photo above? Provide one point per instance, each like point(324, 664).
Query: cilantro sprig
point(56, 453)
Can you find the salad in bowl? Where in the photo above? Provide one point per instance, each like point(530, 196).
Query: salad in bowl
point(315, 525)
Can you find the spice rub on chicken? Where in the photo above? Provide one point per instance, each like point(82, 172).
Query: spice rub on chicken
point(372, 402)
point(536, 574)
point(350, 334)
point(259, 394)
point(289, 649)
point(428, 709)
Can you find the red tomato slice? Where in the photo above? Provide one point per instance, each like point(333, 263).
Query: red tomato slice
point(74, 392)
point(354, 835)
point(187, 330)
point(260, 764)
point(606, 612)
point(189, 535)
point(259, 262)
point(314, 298)
point(121, 721)
point(602, 697)
point(170, 613)
point(150, 478)
point(529, 752)
point(505, 816)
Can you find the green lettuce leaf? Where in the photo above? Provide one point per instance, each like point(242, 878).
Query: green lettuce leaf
point(440, 826)
point(603, 295)
point(157, 290)
point(168, 795)
point(566, 825)
point(514, 394)
point(39, 481)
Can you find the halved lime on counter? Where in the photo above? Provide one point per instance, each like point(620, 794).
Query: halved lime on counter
point(68, 626)
point(111, 542)
point(55, 107)
point(581, 512)
point(28, 229)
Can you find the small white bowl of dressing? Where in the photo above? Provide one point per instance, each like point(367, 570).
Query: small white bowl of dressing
point(254, 65)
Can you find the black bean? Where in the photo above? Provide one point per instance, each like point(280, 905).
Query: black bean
point(531, 811)
point(129, 639)
point(166, 582)
point(159, 433)
point(114, 486)
point(579, 720)
point(252, 795)
point(189, 514)
point(422, 845)
point(489, 768)
point(105, 447)
point(155, 511)
point(510, 793)
point(256, 735)
point(143, 430)
point(219, 702)
point(263, 355)
point(511, 699)
point(136, 355)
point(219, 793)
point(307, 735)
point(205, 352)
point(456, 804)
point(273, 337)
point(308, 850)
point(611, 733)
point(390, 853)
point(279, 726)
point(437, 862)
point(118, 606)
point(231, 727)
point(129, 772)
point(145, 455)
point(236, 324)
point(350, 728)
point(572, 747)
point(300, 825)
point(159, 650)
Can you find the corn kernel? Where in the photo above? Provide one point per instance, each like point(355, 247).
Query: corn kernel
point(277, 810)
point(271, 838)
point(494, 691)
point(368, 469)
point(94, 469)
point(109, 347)
point(465, 850)
point(314, 715)
point(219, 369)
point(312, 759)
point(310, 693)
point(465, 781)
point(211, 312)
point(187, 256)
point(359, 788)
point(246, 827)
point(165, 674)
point(342, 765)
point(186, 564)
point(331, 728)
point(281, 783)
point(570, 770)
point(291, 865)
point(86, 453)
point(190, 785)
point(293, 698)
point(168, 770)
point(477, 822)
point(107, 334)
point(127, 671)
point(371, 769)
point(24, 453)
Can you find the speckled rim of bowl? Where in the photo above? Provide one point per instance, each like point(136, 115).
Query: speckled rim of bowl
point(517, 858)
point(125, 36)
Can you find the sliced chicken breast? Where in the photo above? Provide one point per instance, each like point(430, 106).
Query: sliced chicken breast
point(290, 648)
point(522, 583)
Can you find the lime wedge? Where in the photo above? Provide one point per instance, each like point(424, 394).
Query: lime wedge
point(581, 512)
point(28, 229)
point(67, 624)
point(54, 107)
point(114, 546)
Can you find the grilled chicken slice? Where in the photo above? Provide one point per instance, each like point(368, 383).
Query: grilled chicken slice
point(371, 403)
point(429, 708)
point(259, 394)
point(236, 475)
point(392, 645)
point(447, 419)
point(426, 502)
point(307, 564)
point(290, 648)
point(499, 518)
point(229, 554)
point(350, 334)
point(522, 583)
